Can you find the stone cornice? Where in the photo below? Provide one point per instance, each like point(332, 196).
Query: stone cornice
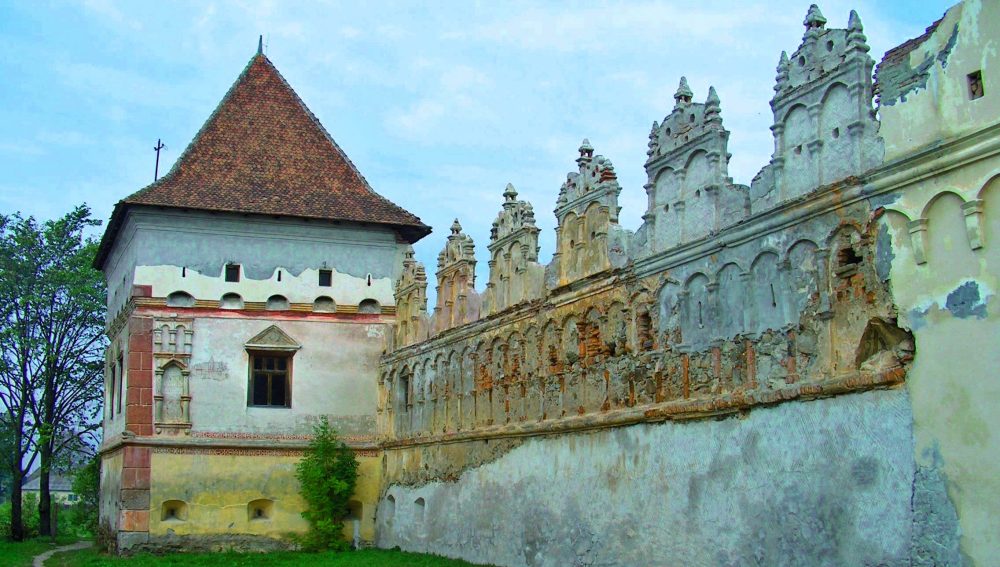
point(195, 442)
point(675, 410)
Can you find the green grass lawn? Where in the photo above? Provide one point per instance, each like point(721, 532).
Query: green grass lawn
point(18, 554)
point(366, 558)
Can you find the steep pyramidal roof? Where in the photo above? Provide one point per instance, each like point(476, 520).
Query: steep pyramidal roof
point(263, 152)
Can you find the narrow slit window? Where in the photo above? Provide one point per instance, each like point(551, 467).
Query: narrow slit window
point(325, 278)
point(232, 272)
point(976, 89)
point(111, 390)
point(121, 380)
point(279, 275)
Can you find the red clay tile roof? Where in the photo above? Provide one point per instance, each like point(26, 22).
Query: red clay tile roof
point(263, 152)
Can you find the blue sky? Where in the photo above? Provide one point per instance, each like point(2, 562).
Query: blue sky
point(440, 104)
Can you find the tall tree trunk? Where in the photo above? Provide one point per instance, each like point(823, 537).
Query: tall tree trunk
point(17, 477)
point(16, 518)
point(46, 438)
point(44, 495)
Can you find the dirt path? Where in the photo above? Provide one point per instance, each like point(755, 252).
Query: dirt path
point(39, 560)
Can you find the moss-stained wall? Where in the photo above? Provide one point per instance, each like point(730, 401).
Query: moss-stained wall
point(818, 483)
point(577, 426)
point(225, 499)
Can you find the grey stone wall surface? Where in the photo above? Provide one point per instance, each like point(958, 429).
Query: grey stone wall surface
point(826, 482)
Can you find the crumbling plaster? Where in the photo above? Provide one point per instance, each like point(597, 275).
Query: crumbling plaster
point(819, 483)
point(154, 245)
point(818, 281)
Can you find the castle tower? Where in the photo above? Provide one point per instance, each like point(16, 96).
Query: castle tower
point(689, 191)
point(586, 210)
point(250, 292)
point(515, 274)
point(457, 300)
point(824, 124)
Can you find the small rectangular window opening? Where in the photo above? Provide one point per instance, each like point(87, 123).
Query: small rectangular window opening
point(325, 278)
point(976, 85)
point(232, 272)
point(279, 275)
point(269, 380)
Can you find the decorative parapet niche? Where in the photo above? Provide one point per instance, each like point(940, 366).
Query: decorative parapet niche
point(588, 238)
point(712, 306)
point(457, 299)
point(690, 193)
point(412, 322)
point(797, 313)
point(173, 341)
point(824, 123)
point(515, 274)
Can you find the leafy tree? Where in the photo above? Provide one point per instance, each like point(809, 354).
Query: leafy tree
point(86, 485)
point(327, 473)
point(51, 347)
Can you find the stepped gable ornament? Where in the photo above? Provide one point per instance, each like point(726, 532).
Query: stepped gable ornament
point(513, 217)
point(413, 273)
point(458, 247)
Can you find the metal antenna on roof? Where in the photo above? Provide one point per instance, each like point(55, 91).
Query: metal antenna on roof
point(260, 45)
point(156, 171)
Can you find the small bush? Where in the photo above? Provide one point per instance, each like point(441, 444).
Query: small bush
point(327, 473)
point(86, 485)
point(29, 514)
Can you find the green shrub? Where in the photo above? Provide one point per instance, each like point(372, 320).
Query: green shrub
point(86, 485)
point(29, 515)
point(327, 475)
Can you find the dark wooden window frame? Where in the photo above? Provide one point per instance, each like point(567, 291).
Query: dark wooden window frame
point(326, 278)
point(269, 374)
point(232, 273)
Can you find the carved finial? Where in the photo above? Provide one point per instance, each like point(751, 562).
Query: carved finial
point(683, 94)
point(456, 228)
point(712, 106)
point(782, 78)
point(509, 193)
point(260, 45)
point(586, 153)
point(855, 33)
point(814, 18)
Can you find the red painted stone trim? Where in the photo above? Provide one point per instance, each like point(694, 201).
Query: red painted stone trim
point(139, 379)
point(133, 516)
point(136, 472)
point(161, 311)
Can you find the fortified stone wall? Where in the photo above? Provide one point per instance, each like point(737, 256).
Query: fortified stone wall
point(707, 301)
point(727, 385)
